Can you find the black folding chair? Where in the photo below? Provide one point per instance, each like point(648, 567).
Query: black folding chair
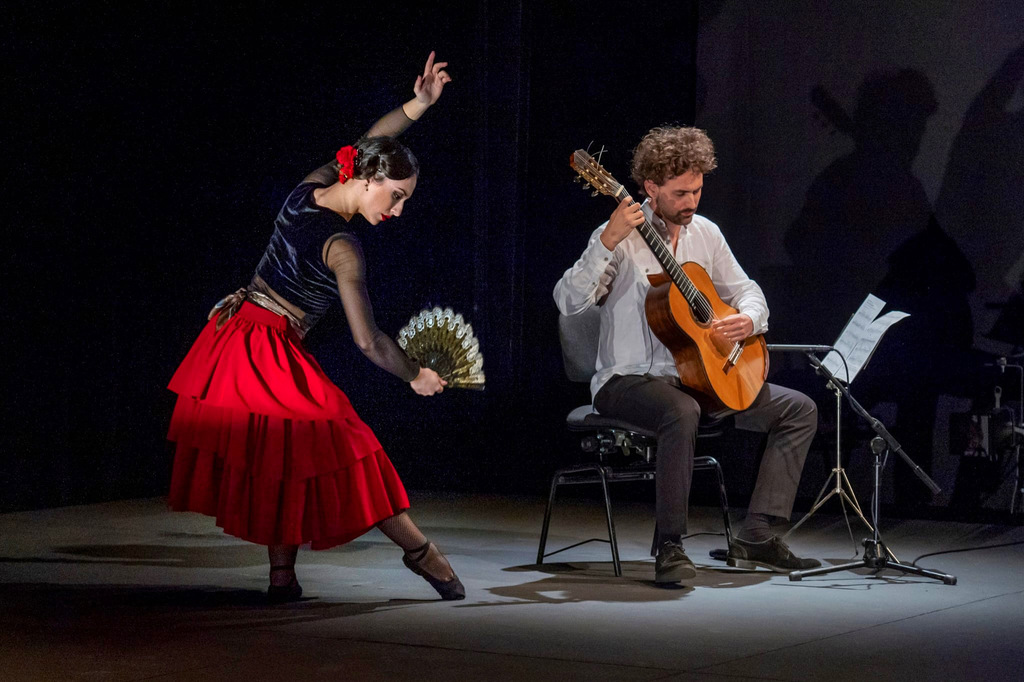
point(623, 451)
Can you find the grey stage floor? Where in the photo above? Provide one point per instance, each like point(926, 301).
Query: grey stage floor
point(129, 591)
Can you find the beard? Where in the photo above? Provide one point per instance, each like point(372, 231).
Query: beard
point(677, 217)
point(680, 217)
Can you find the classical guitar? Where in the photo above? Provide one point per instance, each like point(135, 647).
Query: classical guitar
point(681, 305)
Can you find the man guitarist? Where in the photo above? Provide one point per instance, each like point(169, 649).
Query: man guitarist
point(637, 379)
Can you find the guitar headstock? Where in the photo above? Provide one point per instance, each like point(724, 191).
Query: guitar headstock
point(594, 173)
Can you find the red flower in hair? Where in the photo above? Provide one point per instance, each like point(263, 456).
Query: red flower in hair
point(347, 161)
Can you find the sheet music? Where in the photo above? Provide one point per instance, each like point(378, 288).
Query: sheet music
point(860, 337)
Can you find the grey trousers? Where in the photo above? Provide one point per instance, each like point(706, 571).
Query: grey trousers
point(662, 405)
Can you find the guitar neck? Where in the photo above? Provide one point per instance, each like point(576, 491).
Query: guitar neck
point(665, 258)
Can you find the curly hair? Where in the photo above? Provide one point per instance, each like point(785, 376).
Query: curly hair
point(668, 151)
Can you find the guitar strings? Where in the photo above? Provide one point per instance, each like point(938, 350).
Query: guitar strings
point(687, 287)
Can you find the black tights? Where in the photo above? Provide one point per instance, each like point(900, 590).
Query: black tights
point(399, 528)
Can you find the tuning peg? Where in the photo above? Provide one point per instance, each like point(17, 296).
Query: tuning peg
point(594, 193)
point(577, 179)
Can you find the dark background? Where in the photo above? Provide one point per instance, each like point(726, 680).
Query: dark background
point(148, 150)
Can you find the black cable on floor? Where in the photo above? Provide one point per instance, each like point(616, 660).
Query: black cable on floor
point(966, 549)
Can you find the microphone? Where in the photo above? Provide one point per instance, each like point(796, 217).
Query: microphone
point(798, 348)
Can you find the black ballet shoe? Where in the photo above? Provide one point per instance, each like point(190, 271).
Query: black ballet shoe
point(450, 590)
point(280, 594)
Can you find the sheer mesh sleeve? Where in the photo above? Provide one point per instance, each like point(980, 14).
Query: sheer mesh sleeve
point(392, 124)
point(326, 174)
point(345, 259)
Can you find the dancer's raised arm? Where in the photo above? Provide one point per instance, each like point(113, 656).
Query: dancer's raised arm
point(426, 90)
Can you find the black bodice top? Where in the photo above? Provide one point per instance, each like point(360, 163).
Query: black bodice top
point(293, 266)
point(293, 263)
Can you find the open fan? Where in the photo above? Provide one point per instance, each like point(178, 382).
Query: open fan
point(442, 341)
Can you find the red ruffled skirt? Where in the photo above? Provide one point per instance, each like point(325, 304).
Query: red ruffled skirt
point(268, 445)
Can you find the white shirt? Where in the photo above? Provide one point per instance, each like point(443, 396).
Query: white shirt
point(627, 344)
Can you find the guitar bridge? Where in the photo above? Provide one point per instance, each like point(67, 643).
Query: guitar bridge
point(733, 358)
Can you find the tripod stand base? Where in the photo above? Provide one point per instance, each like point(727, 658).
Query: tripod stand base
point(877, 561)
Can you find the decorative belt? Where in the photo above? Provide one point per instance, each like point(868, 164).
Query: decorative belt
point(230, 304)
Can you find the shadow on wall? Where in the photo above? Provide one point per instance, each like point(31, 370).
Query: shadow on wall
point(867, 226)
point(981, 202)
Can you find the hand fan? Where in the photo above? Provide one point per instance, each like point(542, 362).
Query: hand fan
point(442, 341)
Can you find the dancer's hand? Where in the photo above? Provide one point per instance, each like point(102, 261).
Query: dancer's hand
point(427, 382)
point(428, 86)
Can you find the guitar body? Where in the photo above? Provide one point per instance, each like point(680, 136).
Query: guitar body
point(704, 364)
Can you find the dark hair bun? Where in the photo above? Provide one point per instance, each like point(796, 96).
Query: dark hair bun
point(384, 155)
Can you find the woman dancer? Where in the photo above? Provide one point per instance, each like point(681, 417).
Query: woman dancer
point(264, 441)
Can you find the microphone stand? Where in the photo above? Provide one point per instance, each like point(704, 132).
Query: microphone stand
point(877, 555)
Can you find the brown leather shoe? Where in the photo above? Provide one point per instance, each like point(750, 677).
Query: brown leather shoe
point(672, 565)
point(772, 554)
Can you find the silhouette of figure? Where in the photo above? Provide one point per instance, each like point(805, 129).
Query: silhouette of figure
point(929, 353)
point(867, 227)
point(981, 202)
point(1009, 326)
point(865, 204)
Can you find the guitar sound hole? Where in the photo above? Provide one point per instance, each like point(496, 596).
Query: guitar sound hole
point(701, 309)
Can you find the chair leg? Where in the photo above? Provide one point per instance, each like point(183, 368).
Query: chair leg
point(547, 518)
point(723, 499)
point(611, 524)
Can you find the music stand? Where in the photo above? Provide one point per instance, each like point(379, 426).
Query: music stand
point(845, 495)
point(877, 555)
